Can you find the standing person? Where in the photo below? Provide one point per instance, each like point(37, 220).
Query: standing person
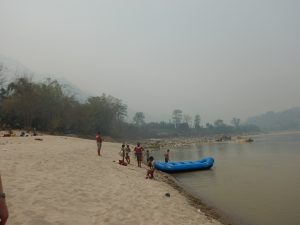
point(123, 152)
point(99, 142)
point(147, 154)
point(167, 157)
point(127, 154)
point(3, 207)
point(139, 152)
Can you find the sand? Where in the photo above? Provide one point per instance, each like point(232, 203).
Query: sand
point(61, 180)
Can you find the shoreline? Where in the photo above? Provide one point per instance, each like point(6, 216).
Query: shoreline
point(199, 202)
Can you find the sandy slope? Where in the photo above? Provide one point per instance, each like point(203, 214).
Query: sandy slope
point(61, 180)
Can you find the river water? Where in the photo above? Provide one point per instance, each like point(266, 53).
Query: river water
point(255, 183)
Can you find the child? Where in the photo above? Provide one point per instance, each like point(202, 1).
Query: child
point(147, 155)
point(127, 156)
point(150, 170)
point(122, 153)
point(167, 156)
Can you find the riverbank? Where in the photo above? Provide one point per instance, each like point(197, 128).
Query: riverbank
point(176, 142)
point(198, 202)
point(61, 180)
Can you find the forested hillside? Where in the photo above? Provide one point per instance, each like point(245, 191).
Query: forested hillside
point(276, 121)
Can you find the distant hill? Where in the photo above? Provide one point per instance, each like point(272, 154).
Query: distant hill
point(73, 89)
point(11, 69)
point(277, 121)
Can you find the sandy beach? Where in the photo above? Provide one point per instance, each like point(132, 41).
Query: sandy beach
point(61, 180)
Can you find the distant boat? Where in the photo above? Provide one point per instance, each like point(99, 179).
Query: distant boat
point(172, 167)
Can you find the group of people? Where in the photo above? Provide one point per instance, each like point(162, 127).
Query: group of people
point(125, 153)
point(138, 151)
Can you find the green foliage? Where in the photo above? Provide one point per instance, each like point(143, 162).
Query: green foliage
point(197, 121)
point(177, 117)
point(235, 122)
point(219, 123)
point(139, 118)
point(47, 107)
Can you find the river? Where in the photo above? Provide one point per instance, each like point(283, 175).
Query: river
point(254, 183)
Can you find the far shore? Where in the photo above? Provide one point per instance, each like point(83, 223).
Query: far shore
point(186, 141)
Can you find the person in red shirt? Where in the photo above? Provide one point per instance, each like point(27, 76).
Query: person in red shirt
point(138, 152)
point(99, 142)
point(3, 207)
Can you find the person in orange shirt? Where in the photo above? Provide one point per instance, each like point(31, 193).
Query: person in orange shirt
point(3, 207)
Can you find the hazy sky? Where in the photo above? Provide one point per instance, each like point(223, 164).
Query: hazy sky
point(221, 59)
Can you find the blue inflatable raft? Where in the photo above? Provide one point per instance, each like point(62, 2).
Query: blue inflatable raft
point(173, 167)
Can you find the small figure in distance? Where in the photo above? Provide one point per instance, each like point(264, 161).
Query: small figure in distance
point(122, 153)
point(99, 143)
point(147, 155)
point(150, 170)
point(167, 156)
point(34, 132)
point(139, 152)
point(127, 154)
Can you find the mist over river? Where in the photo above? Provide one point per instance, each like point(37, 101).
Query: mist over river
point(255, 183)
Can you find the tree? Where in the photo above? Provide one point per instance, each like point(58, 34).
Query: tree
point(2, 77)
point(197, 121)
point(104, 113)
point(235, 122)
point(2, 89)
point(209, 126)
point(218, 123)
point(177, 117)
point(52, 106)
point(21, 100)
point(187, 119)
point(139, 118)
